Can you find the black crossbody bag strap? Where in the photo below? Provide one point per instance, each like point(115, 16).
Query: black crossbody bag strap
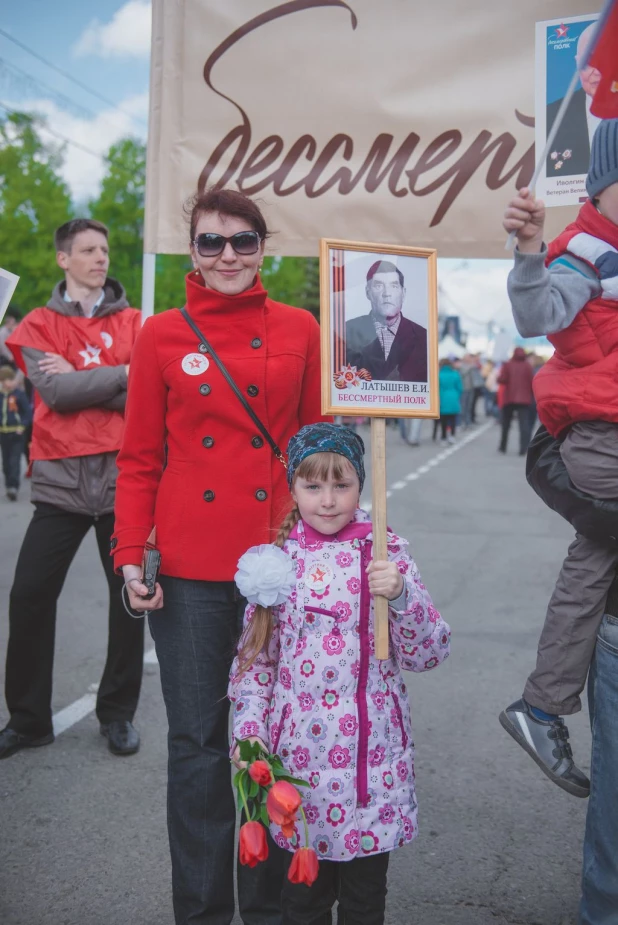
point(205, 347)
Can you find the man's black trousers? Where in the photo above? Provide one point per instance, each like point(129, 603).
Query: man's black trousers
point(49, 547)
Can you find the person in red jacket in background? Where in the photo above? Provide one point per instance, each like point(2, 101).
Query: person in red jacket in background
point(75, 351)
point(569, 291)
point(516, 377)
point(195, 465)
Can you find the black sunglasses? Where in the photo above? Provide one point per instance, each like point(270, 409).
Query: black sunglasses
point(243, 242)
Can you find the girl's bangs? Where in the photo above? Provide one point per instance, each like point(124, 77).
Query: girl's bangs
point(322, 466)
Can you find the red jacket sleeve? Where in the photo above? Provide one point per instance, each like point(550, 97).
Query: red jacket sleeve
point(141, 457)
point(310, 407)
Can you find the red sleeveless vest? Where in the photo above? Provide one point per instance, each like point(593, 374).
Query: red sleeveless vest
point(580, 381)
point(87, 343)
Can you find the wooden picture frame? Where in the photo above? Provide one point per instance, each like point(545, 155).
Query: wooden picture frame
point(371, 370)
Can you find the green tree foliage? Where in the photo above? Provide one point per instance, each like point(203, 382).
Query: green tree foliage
point(34, 201)
point(120, 206)
point(170, 281)
point(293, 280)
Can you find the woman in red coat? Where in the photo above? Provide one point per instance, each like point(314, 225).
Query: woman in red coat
point(194, 465)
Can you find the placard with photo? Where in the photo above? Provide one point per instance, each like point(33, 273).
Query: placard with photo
point(379, 321)
point(8, 282)
point(560, 47)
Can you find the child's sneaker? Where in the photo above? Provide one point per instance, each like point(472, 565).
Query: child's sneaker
point(547, 743)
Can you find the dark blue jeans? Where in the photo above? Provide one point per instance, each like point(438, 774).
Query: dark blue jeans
point(599, 904)
point(195, 637)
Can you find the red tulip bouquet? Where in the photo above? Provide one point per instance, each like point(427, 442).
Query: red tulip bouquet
point(269, 794)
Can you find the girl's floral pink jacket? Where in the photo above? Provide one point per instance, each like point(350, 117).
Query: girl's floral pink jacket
point(337, 716)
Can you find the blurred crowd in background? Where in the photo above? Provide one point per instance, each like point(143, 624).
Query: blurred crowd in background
point(475, 389)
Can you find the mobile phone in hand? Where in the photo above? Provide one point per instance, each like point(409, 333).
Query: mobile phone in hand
point(150, 571)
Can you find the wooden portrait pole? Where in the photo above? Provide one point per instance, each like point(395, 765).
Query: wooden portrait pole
point(344, 384)
point(378, 515)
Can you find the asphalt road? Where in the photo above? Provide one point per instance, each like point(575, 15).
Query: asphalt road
point(83, 838)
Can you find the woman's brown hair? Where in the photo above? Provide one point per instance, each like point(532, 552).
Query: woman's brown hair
point(255, 639)
point(226, 202)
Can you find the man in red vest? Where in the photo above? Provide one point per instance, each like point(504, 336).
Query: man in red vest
point(76, 352)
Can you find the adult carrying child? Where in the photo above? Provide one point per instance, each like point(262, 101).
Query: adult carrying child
point(569, 291)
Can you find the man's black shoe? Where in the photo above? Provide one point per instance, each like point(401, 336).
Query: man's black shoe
point(122, 737)
point(12, 742)
point(547, 743)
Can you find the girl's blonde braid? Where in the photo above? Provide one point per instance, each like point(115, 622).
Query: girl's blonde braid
point(257, 635)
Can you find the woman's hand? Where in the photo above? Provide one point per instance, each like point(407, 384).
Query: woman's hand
point(236, 756)
point(136, 590)
point(385, 580)
point(525, 215)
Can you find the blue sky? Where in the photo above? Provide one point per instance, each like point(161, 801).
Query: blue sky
point(104, 46)
point(53, 29)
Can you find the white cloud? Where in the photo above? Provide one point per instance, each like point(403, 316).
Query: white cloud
point(476, 291)
point(127, 34)
point(83, 171)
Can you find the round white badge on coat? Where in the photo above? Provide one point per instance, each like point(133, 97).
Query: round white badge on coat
point(319, 577)
point(194, 364)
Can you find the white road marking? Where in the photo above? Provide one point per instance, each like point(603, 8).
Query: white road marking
point(81, 708)
point(75, 712)
point(431, 463)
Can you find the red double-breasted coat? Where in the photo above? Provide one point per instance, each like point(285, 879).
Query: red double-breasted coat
point(192, 462)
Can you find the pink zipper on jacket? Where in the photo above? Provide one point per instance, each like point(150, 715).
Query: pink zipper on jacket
point(285, 712)
point(361, 690)
point(404, 736)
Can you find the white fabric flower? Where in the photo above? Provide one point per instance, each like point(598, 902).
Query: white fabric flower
point(265, 575)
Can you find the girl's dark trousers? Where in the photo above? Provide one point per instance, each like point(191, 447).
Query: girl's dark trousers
point(358, 886)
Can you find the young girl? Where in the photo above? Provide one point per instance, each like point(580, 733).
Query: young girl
point(306, 682)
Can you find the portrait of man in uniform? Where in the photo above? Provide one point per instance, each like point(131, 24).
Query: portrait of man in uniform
point(384, 342)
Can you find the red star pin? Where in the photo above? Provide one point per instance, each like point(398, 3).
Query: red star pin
point(318, 575)
point(196, 363)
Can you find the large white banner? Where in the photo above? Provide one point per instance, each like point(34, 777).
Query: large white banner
point(393, 121)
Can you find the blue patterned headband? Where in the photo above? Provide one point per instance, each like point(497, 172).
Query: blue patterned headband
point(326, 438)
